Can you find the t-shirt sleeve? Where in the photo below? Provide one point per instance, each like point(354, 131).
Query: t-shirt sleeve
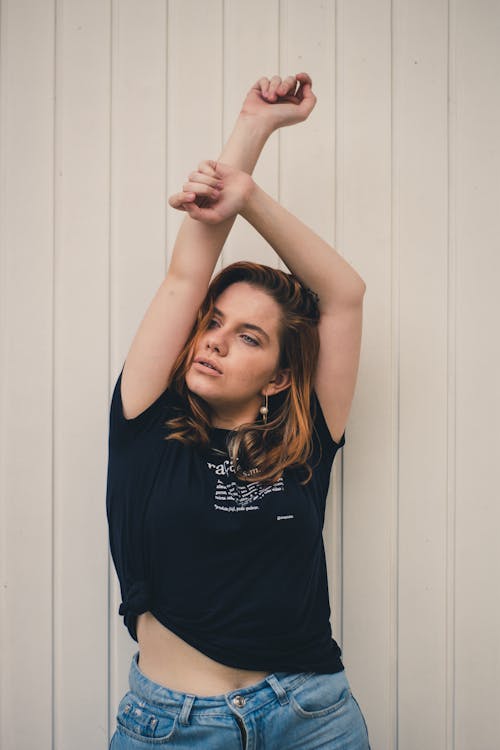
point(122, 430)
point(324, 446)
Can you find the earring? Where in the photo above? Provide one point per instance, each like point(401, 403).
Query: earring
point(264, 411)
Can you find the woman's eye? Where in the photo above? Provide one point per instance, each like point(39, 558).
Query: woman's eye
point(250, 340)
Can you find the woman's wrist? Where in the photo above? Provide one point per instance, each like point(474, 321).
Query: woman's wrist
point(258, 124)
point(244, 145)
point(253, 202)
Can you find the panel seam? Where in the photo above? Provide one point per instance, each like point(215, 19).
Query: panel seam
point(395, 385)
point(451, 400)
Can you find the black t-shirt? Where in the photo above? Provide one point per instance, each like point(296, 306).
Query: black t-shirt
point(235, 569)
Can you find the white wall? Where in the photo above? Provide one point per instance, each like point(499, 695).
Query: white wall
point(105, 108)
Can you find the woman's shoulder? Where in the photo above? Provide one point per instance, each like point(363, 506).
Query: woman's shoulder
point(123, 429)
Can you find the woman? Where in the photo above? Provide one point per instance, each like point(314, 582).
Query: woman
point(224, 424)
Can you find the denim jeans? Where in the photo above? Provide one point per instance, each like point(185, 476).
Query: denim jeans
point(285, 711)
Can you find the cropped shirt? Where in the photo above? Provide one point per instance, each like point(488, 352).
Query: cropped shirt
point(236, 569)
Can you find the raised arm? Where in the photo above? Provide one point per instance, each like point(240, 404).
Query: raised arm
point(163, 331)
point(341, 290)
point(321, 268)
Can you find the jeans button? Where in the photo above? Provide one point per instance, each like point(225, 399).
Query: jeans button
point(239, 701)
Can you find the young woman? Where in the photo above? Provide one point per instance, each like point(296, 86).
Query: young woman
point(224, 424)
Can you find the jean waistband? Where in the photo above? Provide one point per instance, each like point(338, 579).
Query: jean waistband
point(241, 701)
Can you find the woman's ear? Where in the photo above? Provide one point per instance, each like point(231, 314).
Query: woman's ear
point(281, 380)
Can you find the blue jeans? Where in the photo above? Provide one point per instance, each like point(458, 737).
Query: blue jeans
point(285, 711)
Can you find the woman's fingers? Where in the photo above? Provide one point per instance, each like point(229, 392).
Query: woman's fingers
point(263, 85)
point(199, 184)
point(304, 78)
point(178, 199)
point(287, 86)
point(201, 189)
point(205, 179)
point(208, 166)
point(207, 174)
point(203, 193)
point(203, 186)
point(275, 82)
point(271, 89)
point(305, 84)
point(201, 213)
point(277, 87)
point(305, 94)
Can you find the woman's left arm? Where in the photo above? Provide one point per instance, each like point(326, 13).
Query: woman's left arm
point(318, 266)
point(340, 289)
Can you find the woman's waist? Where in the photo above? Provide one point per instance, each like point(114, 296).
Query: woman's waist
point(168, 660)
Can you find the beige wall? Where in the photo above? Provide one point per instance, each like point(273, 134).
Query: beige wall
point(105, 108)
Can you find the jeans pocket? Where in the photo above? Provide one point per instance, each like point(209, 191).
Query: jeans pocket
point(320, 694)
point(145, 722)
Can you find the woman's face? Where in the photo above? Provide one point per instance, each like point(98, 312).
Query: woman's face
point(242, 343)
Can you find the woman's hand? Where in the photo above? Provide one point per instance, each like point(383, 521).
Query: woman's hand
point(213, 193)
point(277, 102)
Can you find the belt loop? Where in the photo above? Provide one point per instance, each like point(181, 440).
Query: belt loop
point(186, 709)
point(278, 689)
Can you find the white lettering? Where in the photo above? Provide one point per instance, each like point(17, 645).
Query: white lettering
point(233, 508)
point(226, 468)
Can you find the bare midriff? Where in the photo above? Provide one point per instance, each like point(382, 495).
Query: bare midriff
point(168, 660)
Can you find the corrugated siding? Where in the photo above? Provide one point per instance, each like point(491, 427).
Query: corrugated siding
point(105, 109)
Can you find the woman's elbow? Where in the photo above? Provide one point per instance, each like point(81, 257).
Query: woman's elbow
point(357, 290)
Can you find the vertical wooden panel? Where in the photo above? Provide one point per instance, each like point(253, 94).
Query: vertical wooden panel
point(420, 201)
point(195, 98)
point(142, 93)
point(307, 189)
point(370, 462)
point(307, 150)
point(251, 50)
point(80, 374)
point(477, 199)
point(138, 220)
point(26, 299)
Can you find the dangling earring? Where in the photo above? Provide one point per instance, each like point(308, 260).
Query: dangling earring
point(264, 411)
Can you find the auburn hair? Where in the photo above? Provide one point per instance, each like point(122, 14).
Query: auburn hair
point(259, 451)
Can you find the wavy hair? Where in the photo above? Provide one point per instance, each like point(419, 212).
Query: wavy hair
point(259, 451)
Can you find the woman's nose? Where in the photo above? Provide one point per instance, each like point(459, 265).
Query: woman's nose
point(217, 343)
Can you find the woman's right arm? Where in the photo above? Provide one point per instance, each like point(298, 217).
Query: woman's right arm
point(172, 312)
point(169, 318)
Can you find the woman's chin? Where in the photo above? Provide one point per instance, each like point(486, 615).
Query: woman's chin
point(202, 390)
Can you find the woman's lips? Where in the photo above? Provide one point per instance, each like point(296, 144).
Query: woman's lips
point(206, 369)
